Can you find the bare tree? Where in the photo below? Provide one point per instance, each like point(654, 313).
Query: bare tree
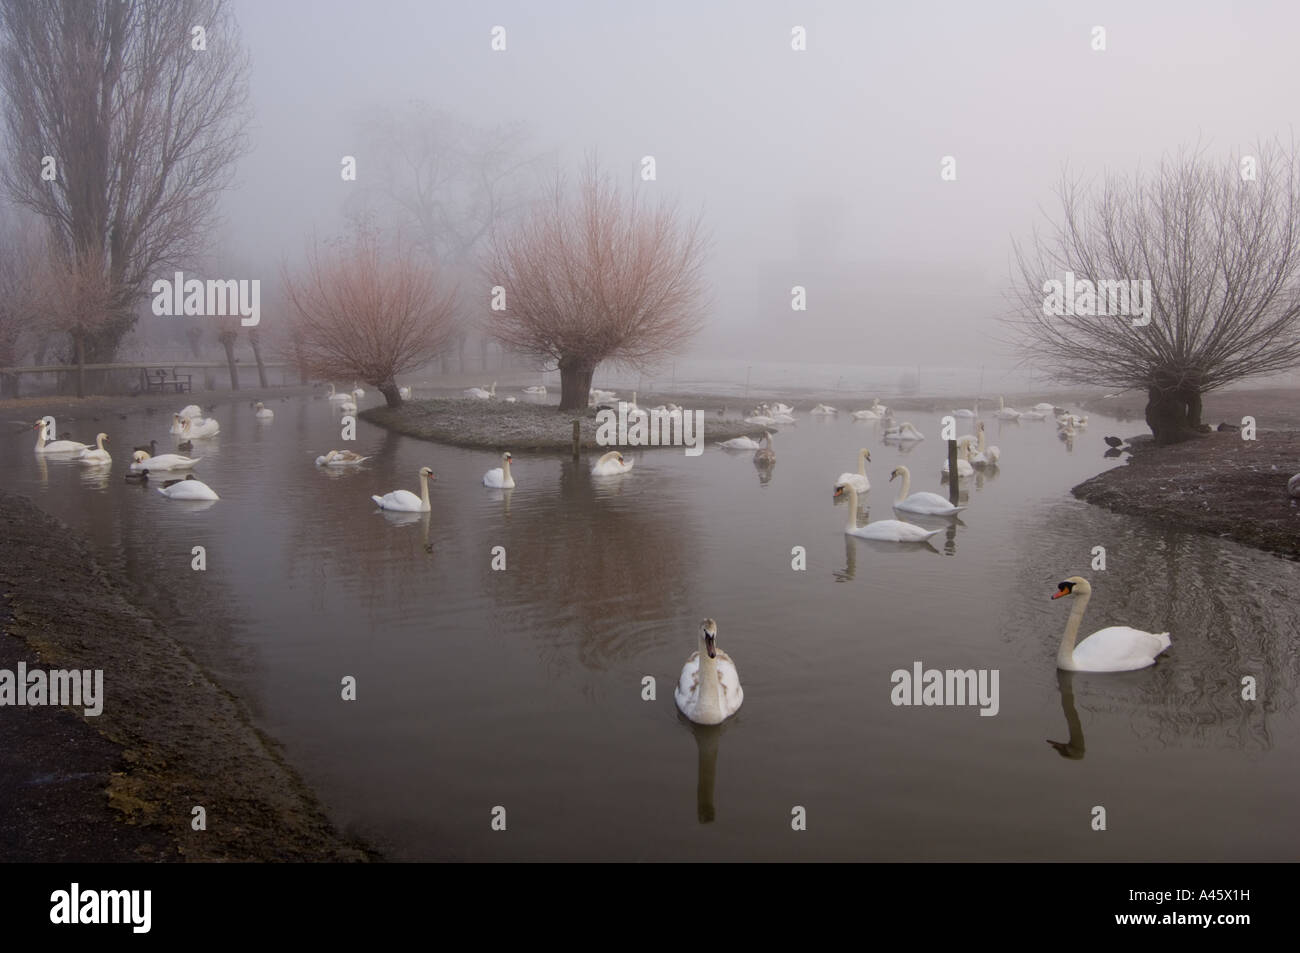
point(74, 298)
point(141, 125)
point(21, 254)
point(1220, 246)
point(365, 309)
point(597, 277)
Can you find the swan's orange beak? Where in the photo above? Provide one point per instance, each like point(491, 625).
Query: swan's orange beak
point(1059, 593)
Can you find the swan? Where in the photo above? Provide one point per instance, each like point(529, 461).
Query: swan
point(964, 464)
point(708, 691)
point(740, 443)
point(478, 393)
point(56, 446)
point(867, 414)
point(1044, 407)
point(191, 410)
point(356, 390)
point(1116, 648)
point(611, 464)
point(337, 396)
point(191, 427)
point(188, 489)
point(97, 457)
point(964, 412)
point(985, 456)
point(890, 531)
point(1072, 419)
point(499, 477)
point(404, 393)
point(141, 460)
point(1033, 415)
point(780, 409)
point(598, 396)
point(1006, 413)
point(348, 406)
point(927, 504)
point(858, 481)
point(177, 426)
point(761, 420)
point(341, 458)
point(404, 500)
point(905, 431)
point(537, 390)
point(263, 413)
point(782, 418)
point(765, 457)
point(824, 410)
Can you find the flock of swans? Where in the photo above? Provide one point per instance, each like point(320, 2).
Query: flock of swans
point(708, 690)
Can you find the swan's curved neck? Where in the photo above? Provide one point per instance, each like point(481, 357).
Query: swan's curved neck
point(981, 440)
point(424, 490)
point(905, 486)
point(1065, 655)
point(505, 465)
point(99, 443)
point(710, 693)
point(853, 506)
point(862, 463)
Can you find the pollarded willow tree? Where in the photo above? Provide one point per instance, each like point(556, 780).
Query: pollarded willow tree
point(1219, 243)
point(124, 119)
point(594, 277)
point(367, 309)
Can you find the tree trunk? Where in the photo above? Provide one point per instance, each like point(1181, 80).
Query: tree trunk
point(575, 384)
point(257, 356)
point(80, 342)
point(228, 342)
point(1192, 399)
point(1167, 416)
point(391, 393)
point(194, 334)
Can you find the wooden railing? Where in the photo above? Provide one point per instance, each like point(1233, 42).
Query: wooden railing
point(142, 366)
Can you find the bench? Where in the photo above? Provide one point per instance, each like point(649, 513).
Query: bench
point(158, 381)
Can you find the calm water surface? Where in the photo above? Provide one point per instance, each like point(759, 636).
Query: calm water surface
point(523, 688)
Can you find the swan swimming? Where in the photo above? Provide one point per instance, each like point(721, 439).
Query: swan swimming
point(499, 477)
point(191, 427)
point(927, 504)
point(985, 457)
point(263, 413)
point(333, 395)
point(766, 457)
point(340, 458)
point(611, 464)
point(708, 691)
point(535, 390)
point(905, 431)
point(188, 489)
point(97, 457)
point(823, 410)
point(56, 446)
point(1006, 413)
point(1116, 648)
point(142, 460)
point(740, 443)
point(478, 393)
point(890, 531)
point(404, 500)
point(964, 463)
point(858, 480)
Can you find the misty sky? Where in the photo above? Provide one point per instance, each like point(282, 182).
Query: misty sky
point(817, 167)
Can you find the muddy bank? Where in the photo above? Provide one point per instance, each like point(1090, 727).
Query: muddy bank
point(122, 785)
point(1217, 484)
point(498, 425)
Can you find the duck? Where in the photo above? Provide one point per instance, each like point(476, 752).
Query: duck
point(199, 427)
point(97, 457)
point(499, 477)
point(150, 448)
point(708, 691)
point(858, 480)
point(336, 395)
point(536, 390)
point(611, 464)
point(263, 412)
point(404, 500)
point(927, 504)
point(142, 460)
point(823, 410)
point(185, 445)
point(766, 457)
point(187, 489)
point(340, 458)
point(141, 476)
point(478, 393)
point(890, 531)
point(56, 446)
point(740, 443)
point(1117, 648)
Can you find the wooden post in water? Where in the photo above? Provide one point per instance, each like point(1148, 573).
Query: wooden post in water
point(577, 437)
point(953, 489)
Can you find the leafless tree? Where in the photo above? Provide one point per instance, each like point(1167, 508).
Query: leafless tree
point(599, 276)
point(143, 129)
point(368, 309)
point(1220, 245)
point(74, 298)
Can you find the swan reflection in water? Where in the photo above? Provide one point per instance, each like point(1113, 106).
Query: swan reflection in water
point(706, 743)
point(1072, 749)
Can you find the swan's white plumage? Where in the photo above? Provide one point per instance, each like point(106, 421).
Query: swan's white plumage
point(890, 531)
point(611, 464)
point(404, 500)
point(1117, 648)
point(499, 478)
point(922, 502)
point(189, 490)
point(708, 690)
point(141, 460)
point(740, 443)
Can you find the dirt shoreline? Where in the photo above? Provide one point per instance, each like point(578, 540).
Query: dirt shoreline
point(122, 785)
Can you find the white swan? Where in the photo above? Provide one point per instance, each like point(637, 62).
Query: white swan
point(404, 500)
point(904, 431)
point(340, 458)
point(1044, 407)
point(191, 427)
point(56, 446)
point(142, 460)
point(890, 531)
point(191, 410)
point(1073, 420)
point(537, 390)
point(348, 405)
point(337, 396)
point(97, 457)
point(867, 414)
point(404, 393)
point(780, 409)
point(858, 480)
point(611, 464)
point(823, 410)
point(1117, 648)
point(927, 504)
point(263, 413)
point(480, 394)
point(740, 443)
point(1033, 415)
point(964, 467)
point(985, 456)
point(356, 390)
point(177, 426)
point(964, 412)
point(708, 691)
point(499, 477)
point(1006, 413)
point(596, 396)
point(761, 420)
point(188, 489)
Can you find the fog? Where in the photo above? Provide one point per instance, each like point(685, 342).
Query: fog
point(819, 168)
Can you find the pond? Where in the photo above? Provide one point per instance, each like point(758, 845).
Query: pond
point(524, 687)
